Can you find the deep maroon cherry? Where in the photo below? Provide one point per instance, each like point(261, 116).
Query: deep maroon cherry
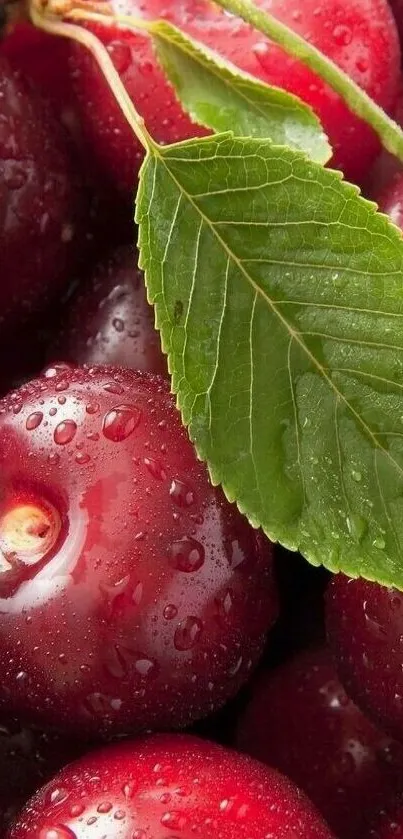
point(390, 197)
point(132, 595)
point(41, 209)
point(359, 35)
point(28, 757)
point(365, 629)
point(397, 8)
point(110, 320)
point(169, 786)
point(387, 823)
point(43, 59)
point(301, 721)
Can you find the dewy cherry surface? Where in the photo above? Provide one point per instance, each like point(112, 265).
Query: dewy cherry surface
point(365, 630)
point(388, 824)
point(28, 757)
point(300, 721)
point(359, 35)
point(41, 205)
point(110, 320)
point(165, 787)
point(132, 595)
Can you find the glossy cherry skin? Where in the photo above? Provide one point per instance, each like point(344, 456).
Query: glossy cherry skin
point(365, 629)
point(301, 721)
point(397, 8)
point(390, 198)
point(44, 60)
point(359, 35)
point(132, 595)
point(110, 320)
point(28, 757)
point(165, 786)
point(41, 205)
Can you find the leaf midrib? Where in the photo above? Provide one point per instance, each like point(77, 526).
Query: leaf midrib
point(157, 152)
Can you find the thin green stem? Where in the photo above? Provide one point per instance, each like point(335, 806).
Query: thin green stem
point(357, 100)
point(77, 33)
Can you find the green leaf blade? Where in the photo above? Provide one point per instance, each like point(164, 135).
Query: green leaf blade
point(280, 304)
point(219, 96)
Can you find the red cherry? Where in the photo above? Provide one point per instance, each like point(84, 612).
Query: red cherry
point(388, 824)
point(390, 198)
point(301, 721)
point(44, 60)
point(365, 629)
point(166, 786)
point(132, 595)
point(28, 757)
point(359, 35)
point(40, 202)
point(110, 321)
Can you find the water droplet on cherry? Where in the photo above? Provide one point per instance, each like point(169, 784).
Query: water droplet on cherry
point(188, 633)
point(120, 422)
point(34, 420)
point(187, 555)
point(65, 432)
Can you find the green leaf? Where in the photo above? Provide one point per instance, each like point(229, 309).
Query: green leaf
point(218, 95)
point(279, 295)
point(388, 131)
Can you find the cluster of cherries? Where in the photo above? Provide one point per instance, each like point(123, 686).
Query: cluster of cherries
point(135, 601)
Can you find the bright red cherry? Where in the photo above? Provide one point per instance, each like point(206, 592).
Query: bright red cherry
point(28, 757)
point(41, 206)
point(110, 320)
point(132, 595)
point(359, 35)
point(169, 786)
point(365, 630)
point(301, 721)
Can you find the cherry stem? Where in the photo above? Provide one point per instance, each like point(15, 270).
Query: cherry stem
point(388, 131)
point(53, 26)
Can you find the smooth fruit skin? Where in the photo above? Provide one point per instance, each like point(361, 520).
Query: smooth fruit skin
point(390, 198)
point(388, 824)
point(43, 59)
point(359, 35)
point(165, 786)
point(110, 320)
point(301, 721)
point(132, 595)
point(397, 8)
point(28, 757)
point(41, 205)
point(365, 630)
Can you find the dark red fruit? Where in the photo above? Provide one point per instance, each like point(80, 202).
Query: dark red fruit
point(40, 202)
point(365, 629)
point(27, 759)
point(388, 824)
point(397, 8)
point(390, 198)
point(110, 320)
point(132, 595)
point(359, 35)
point(168, 786)
point(44, 60)
point(301, 721)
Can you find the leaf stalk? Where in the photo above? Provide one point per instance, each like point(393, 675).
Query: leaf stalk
point(388, 131)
